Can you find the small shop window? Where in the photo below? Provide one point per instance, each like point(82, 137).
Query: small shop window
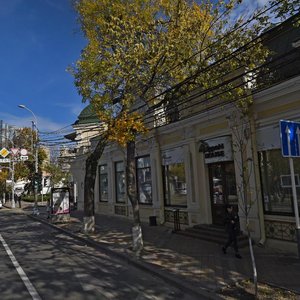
point(120, 182)
point(144, 183)
point(175, 185)
point(276, 182)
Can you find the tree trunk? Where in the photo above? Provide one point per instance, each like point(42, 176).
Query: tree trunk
point(89, 185)
point(137, 237)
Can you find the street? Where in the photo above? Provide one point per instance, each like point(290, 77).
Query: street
point(38, 262)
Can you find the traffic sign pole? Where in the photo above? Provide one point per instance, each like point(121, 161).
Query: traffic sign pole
point(290, 146)
point(295, 202)
point(298, 137)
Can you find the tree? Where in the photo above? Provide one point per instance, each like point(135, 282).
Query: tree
point(159, 57)
point(4, 175)
point(25, 138)
point(144, 55)
point(285, 8)
point(56, 174)
point(241, 123)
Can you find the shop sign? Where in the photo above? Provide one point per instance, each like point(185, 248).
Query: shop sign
point(217, 149)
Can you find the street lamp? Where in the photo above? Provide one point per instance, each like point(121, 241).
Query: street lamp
point(34, 123)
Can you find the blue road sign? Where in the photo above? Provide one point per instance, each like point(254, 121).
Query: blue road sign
point(290, 138)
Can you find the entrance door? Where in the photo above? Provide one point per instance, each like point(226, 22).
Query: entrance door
point(222, 189)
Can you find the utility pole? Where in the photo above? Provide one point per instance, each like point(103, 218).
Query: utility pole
point(36, 172)
point(34, 128)
point(13, 203)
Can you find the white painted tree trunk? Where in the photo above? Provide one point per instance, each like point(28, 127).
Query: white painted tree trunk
point(89, 224)
point(137, 239)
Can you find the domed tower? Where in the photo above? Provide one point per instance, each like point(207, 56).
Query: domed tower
point(86, 127)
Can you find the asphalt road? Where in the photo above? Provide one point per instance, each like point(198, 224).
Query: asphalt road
point(38, 262)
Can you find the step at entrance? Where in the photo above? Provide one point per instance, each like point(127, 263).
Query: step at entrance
point(212, 233)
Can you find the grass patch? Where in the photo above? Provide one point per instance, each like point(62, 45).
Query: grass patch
point(30, 198)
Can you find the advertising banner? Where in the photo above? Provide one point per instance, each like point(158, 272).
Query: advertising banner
point(60, 201)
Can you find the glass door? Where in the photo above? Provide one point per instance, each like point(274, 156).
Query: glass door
point(222, 189)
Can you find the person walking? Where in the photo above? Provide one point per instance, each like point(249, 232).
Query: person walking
point(18, 198)
point(48, 208)
point(232, 227)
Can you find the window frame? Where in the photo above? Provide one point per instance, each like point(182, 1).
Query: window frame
point(100, 175)
point(164, 167)
point(261, 176)
point(137, 179)
point(116, 181)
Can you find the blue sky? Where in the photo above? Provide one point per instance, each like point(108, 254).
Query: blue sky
point(39, 40)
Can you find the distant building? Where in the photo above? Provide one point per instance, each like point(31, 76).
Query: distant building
point(86, 127)
point(66, 157)
point(6, 134)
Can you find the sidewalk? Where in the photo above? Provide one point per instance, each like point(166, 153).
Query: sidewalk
point(200, 263)
point(24, 205)
point(192, 264)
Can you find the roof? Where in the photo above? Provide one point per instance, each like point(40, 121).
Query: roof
point(71, 136)
point(87, 116)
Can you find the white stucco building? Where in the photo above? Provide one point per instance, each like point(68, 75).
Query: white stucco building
point(193, 164)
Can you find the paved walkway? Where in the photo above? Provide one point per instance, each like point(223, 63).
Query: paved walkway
point(193, 264)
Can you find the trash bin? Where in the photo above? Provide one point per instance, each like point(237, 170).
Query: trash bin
point(152, 221)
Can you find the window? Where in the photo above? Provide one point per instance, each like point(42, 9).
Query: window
point(120, 182)
point(175, 185)
point(276, 182)
point(144, 184)
point(103, 183)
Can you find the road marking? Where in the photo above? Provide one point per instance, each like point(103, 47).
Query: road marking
point(32, 291)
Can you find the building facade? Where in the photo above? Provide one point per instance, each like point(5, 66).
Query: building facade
point(194, 165)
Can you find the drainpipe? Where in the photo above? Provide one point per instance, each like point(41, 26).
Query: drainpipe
point(159, 187)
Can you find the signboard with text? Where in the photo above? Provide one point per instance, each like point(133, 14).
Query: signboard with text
point(218, 149)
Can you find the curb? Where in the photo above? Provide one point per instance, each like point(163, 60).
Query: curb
point(279, 287)
point(200, 292)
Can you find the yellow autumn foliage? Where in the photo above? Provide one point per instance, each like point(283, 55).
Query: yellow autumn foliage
point(138, 48)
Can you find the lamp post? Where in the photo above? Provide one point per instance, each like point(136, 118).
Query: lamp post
point(34, 123)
